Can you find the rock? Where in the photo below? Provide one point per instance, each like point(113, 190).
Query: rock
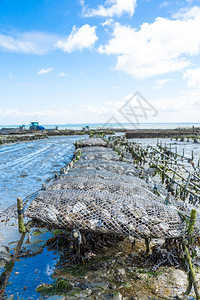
point(83, 286)
point(177, 277)
point(10, 297)
point(121, 271)
point(103, 275)
point(99, 285)
point(87, 292)
point(143, 276)
point(56, 298)
point(4, 254)
point(82, 295)
point(112, 286)
point(114, 296)
point(131, 269)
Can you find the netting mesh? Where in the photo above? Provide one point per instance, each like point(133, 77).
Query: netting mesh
point(115, 167)
point(98, 184)
point(100, 193)
point(91, 142)
point(104, 155)
point(103, 174)
point(107, 212)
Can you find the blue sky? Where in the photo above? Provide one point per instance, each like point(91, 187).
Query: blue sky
point(79, 61)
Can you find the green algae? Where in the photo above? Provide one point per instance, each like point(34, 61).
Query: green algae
point(59, 287)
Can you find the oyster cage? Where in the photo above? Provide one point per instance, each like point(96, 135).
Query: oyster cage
point(102, 193)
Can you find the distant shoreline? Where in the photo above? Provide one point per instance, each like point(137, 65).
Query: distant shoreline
point(102, 126)
point(18, 135)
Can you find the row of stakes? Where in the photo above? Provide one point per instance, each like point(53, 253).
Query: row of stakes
point(188, 241)
point(162, 162)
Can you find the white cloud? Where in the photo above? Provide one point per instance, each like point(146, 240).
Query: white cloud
point(111, 8)
point(163, 81)
point(11, 76)
point(108, 22)
point(184, 108)
point(80, 38)
point(45, 71)
point(116, 87)
point(161, 47)
point(164, 4)
point(28, 42)
point(193, 77)
point(159, 83)
point(186, 14)
point(62, 74)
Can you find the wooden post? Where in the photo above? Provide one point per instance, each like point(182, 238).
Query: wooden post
point(21, 226)
point(173, 177)
point(176, 152)
point(147, 243)
point(43, 188)
point(191, 274)
point(188, 181)
point(163, 174)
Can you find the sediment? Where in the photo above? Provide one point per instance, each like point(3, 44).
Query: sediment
point(15, 138)
point(28, 135)
point(17, 135)
point(162, 133)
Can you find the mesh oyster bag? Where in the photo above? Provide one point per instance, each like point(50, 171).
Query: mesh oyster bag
point(118, 167)
point(101, 193)
point(91, 142)
point(108, 213)
point(98, 184)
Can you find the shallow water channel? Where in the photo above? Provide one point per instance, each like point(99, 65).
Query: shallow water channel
point(23, 168)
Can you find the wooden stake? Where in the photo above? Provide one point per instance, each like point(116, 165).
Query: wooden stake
point(191, 274)
point(21, 226)
point(147, 243)
point(192, 155)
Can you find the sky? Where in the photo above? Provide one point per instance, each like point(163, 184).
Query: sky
point(81, 61)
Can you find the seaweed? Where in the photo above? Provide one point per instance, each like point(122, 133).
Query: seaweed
point(59, 287)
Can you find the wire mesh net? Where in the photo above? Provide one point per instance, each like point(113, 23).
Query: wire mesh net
point(98, 184)
point(118, 167)
point(104, 174)
point(107, 212)
point(104, 155)
point(101, 194)
point(91, 142)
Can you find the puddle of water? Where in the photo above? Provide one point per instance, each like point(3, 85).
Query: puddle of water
point(30, 272)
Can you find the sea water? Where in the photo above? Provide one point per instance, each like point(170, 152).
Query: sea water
point(25, 166)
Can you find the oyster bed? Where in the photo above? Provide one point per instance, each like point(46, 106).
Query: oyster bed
point(103, 194)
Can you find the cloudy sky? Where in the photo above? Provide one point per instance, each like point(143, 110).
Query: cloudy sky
point(79, 61)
